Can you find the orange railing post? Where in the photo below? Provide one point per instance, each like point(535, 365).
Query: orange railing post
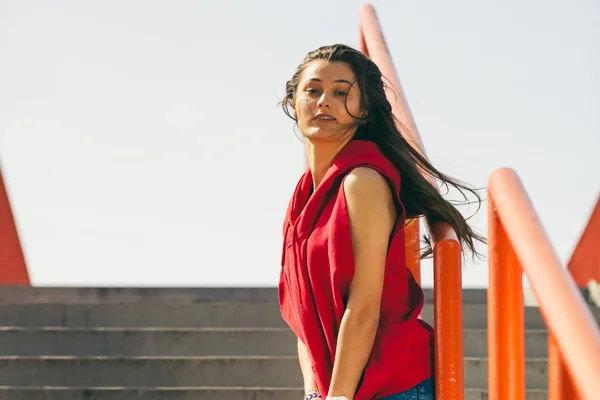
point(566, 314)
point(448, 317)
point(506, 321)
point(412, 240)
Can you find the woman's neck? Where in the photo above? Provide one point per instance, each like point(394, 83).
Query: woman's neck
point(321, 156)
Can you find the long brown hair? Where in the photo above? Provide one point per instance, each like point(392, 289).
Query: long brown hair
point(418, 195)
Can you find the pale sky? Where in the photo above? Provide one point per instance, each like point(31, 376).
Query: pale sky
point(142, 145)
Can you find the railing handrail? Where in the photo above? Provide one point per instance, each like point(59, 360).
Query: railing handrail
point(567, 316)
point(373, 42)
point(448, 319)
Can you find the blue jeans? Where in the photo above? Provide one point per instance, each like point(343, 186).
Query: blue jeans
point(423, 391)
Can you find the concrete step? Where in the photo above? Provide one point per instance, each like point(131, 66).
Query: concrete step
point(189, 394)
point(184, 393)
point(261, 371)
point(173, 342)
point(475, 342)
point(267, 371)
point(129, 342)
point(79, 295)
point(205, 314)
point(208, 314)
point(82, 295)
point(536, 372)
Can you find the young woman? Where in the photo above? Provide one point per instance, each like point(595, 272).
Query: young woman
point(344, 287)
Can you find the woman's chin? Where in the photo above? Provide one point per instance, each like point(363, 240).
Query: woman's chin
point(323, 135)
point(316, 134)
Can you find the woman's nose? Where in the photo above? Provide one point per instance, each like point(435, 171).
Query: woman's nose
point(323, 101)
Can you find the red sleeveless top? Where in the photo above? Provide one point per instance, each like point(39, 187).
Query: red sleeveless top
point(317, 269)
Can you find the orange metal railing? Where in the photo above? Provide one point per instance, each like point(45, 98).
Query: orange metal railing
point(515, 240)
point(448, 317)
point(447, 259)
point(517, 243)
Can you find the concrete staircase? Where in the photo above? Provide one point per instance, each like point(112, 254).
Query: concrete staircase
point(183, 344)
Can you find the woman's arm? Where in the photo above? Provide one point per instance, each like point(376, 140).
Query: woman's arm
point(306, 366)
point(372, 215)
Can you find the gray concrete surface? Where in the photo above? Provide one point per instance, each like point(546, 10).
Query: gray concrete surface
point(180, 344)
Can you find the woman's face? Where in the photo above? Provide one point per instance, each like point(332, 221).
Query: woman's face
point(324, 92)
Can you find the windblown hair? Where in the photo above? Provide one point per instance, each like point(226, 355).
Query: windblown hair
point(419, 195)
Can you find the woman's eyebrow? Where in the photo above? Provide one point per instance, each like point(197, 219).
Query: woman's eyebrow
point(336, 81)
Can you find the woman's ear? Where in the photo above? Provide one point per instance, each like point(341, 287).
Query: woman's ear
point(363, 114)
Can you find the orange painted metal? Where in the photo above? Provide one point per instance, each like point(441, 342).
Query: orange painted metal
point(560, 384)
point(13, 270)
point(584, 264)
point(506, 321)
point(413, 249)
point(448, 319)
point(566, 314)
point(373, 44)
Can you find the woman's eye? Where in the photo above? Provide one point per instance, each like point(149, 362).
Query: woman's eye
point(311, 90)
point(342, 93)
